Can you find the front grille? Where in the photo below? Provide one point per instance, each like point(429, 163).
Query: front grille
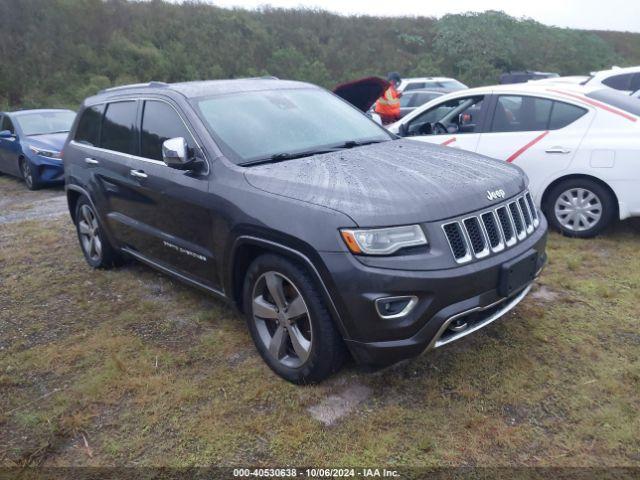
point(456, 240)
point(493, 230)
point(491, 227)
point(476, 236)
point(517, 219)
point(525, 213)
point(532, 209)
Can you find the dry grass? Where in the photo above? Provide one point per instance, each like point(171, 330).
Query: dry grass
point(150, 372)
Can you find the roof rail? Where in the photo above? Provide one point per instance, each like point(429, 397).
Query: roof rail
point(152, 84)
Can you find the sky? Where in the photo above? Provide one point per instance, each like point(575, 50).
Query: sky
point(622, 15)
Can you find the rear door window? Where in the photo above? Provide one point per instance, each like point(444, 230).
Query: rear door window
point(521, 114)
point(118, 127)
point(88, 130)
point(160, 122)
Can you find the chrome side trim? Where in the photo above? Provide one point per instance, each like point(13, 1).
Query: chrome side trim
point(510, 305)
point(170, 271)
point(413, 300)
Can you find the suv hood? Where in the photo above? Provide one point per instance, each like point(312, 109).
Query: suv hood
point(392, 183)
point(362, 93)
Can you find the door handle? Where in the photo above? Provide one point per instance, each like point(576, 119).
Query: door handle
point(91, 161)
point(560, 150)
point(138, 174)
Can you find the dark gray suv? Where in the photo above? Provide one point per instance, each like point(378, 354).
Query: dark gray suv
point(330, 235)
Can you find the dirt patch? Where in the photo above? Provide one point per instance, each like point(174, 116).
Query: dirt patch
point(36, 210)
point(334, 407)
point(544, 294)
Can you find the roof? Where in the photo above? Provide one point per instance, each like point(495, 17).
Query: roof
point(616, 71)
point(207, 87)
point(39, 110)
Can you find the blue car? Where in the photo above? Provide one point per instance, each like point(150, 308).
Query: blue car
point(31, 145)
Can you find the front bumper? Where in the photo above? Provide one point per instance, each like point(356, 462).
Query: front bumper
point(47, 170)
point(444, 296)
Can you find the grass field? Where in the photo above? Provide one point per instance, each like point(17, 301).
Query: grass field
point(129, 367)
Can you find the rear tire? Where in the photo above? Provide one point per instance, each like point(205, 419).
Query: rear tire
point(97, 250)
point(291, 327)
point(580, 208)
point(28, 175)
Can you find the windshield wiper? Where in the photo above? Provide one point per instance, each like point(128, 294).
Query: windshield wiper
point(280, 157)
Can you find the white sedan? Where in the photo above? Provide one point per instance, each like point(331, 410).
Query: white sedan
point(580, 147)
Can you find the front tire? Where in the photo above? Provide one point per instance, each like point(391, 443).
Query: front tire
point(580, 208)
point(289, 321)
point(28, 175)
point(97, 250)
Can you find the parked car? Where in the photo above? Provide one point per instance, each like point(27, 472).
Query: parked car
point(440, 84)
point(413, 99)
point(326, 231)
point(31, 144)
point(524, 76)
point(571, 80)
point(578, 145)
point(623, 79)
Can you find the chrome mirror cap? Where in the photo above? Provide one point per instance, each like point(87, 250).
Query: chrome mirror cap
point(175, 152)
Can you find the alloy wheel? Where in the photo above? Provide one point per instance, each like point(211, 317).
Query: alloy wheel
point(282, 320)
point(578, 209)
point(89, 236)
point(27, 175)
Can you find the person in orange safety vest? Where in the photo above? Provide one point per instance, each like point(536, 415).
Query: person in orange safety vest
point(388, 105)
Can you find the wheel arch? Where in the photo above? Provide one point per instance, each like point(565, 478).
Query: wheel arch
point(574, 176)
point(246, 248)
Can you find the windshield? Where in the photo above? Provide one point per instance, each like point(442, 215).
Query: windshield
point(42, 123)
point(250, 126)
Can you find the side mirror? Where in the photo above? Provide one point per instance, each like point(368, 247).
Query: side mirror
point(464, 119)
point(6, 134)
point(403, 129)
point(175, 153)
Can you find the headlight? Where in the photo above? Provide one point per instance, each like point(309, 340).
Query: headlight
point(383, 241)
point(46, 153)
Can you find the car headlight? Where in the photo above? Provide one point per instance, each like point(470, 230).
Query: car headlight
point(383, 241)
point(46, 153)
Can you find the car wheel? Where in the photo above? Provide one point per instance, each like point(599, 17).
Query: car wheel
point(28, 176)
point(94, 244)
point(289, 322)
point(580, 208)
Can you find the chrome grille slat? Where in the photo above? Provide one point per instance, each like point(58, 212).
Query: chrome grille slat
point(492, 231)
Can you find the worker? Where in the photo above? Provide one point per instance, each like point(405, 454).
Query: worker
point(388, 105)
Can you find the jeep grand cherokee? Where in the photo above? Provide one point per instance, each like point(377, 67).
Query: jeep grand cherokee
point(332, 236)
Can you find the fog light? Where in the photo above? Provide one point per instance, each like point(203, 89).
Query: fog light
point(395, 307)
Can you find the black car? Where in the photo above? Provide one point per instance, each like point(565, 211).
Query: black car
point(330, 235)
point(524, 76)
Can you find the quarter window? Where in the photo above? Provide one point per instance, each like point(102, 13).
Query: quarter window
point(88, 130)
point(118, 132)
point(564, 114)
point(159, 123)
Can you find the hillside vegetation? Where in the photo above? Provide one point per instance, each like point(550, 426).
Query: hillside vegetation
point(56, 52)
